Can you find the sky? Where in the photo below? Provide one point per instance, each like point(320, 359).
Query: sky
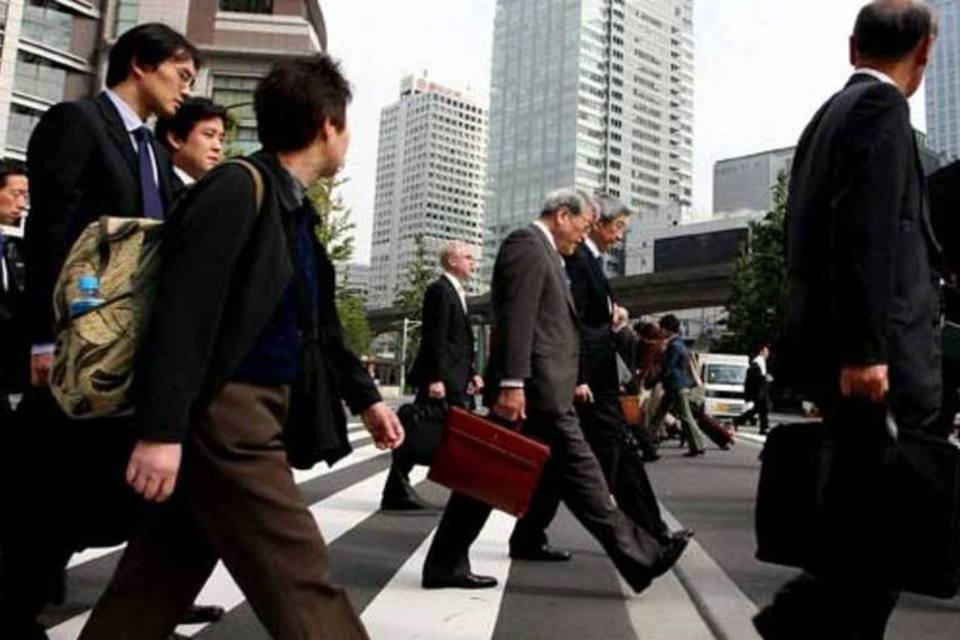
point(762, 68)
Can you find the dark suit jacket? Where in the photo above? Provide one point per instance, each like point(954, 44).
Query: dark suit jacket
point(14, 346)
point(82, 166)
point(446, 347)
point(534, 335)
point(861, 253)
point(225, 269)
point(591, 294)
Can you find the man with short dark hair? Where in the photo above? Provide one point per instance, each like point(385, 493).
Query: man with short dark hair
point(87, 158)
point(194, 136)
point(677, 380)
point(14, 347)
point(756, 390)
point(861, 334)
point(245, 299)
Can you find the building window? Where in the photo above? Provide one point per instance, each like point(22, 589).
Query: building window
point(236, 93)
point(128, 13)
point(247, 6)
point(36, 77)
point(20, 126)
point(44, 22)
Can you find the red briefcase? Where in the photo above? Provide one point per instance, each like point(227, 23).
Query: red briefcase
point(488, 462)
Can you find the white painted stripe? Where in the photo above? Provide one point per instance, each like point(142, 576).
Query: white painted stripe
point(335, 515)
point(664, 611)
point(359, 455)
point(404, 611)
point(722, 605)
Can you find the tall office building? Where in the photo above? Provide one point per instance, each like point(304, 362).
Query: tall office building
point(592, 93)
point(943, 83)
point(430, 182)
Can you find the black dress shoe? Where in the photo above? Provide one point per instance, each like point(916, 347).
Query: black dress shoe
point(694, 454)
point(198, 614)
point(543, 553)
point(468, 581)
point(681, 534)
point(671, 553)
point(650, 458)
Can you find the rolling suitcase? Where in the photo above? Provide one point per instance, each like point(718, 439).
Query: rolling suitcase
point(720, 434)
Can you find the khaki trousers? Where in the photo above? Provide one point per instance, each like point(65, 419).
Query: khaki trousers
point(237, 501)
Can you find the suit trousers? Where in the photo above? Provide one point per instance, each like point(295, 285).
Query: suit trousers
point(573, 473)
point(618, 454)
point(238, 502)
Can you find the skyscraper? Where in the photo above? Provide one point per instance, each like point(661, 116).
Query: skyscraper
point(943, 83)
point(592, 93)
point(431, 168)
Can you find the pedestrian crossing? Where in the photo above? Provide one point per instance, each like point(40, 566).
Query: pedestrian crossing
point(378, 556)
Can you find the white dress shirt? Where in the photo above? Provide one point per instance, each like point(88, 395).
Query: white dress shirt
point(132, 122)
point(458, 287)
point(879, 75)
point(185, 177)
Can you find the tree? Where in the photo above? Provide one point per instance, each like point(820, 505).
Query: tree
point(409, 299)
point(334, 229)
point(756, 302)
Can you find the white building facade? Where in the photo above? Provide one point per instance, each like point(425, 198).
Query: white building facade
point(746, 183)
point(431, 177)
point(592, 93)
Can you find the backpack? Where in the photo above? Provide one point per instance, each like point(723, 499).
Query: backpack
point(94, 354)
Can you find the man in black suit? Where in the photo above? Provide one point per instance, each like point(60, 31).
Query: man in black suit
point(597, 396)
point(245, 300)
point(86, 159)
point(195, 139)
point(756, 389)
point(443, 369)
point(862, 334)
point(14, 348)
point(534, 364)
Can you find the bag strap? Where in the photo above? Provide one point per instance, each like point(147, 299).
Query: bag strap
point(258, 187)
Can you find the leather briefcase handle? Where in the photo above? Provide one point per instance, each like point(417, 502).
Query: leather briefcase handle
point(499, 420)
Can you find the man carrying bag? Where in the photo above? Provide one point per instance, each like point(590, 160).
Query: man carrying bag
point(861, 335)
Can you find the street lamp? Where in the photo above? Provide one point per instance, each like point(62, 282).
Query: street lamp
point(407, 325)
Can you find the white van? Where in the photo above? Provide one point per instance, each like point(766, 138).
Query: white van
point(723, 378)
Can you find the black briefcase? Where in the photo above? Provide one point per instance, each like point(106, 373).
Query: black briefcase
point(423, 424)
point(901, 526)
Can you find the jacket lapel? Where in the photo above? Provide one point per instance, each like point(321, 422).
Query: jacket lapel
point(553, 258)
point(119, 134)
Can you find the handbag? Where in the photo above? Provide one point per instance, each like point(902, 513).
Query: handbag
point(630, 406)
point(423, 426)
point(489, 462)
point(901, 523)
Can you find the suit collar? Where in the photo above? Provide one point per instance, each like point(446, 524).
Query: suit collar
point(876, 74)
point(554, 258)
point(118, 131)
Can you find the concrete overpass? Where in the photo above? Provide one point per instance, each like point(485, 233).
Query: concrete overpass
point(694, 288)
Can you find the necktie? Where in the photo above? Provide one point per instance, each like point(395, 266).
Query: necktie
point(152, 203)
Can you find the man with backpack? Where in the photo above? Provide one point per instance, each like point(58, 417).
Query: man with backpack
point(86, 159)
point(240, 374)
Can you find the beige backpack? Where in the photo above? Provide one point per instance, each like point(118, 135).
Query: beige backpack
point(95, 350)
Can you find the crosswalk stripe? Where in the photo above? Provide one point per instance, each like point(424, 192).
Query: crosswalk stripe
point(360, 454)
point(403, 611)
point(336, 515)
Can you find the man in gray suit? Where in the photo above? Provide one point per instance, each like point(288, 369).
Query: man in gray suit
point(533, 369)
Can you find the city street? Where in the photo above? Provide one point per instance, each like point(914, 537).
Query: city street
point(378, 556)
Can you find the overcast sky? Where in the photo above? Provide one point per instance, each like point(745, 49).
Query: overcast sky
point(762, 69)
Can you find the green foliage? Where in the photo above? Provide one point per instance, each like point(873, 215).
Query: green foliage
point(334, 229)
point(409, 299)
point(755, 306)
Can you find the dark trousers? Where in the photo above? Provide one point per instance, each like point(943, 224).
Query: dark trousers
point(760, 410)
point(617, 452)
point(62, 489)
point(403, 459)
point(574, 474)
point(846, 600)
point(236, 501)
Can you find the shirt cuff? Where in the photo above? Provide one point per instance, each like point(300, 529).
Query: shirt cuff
point(511, 384)
point(42, 349)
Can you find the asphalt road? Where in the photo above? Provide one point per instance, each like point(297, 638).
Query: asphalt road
point(715, 495)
